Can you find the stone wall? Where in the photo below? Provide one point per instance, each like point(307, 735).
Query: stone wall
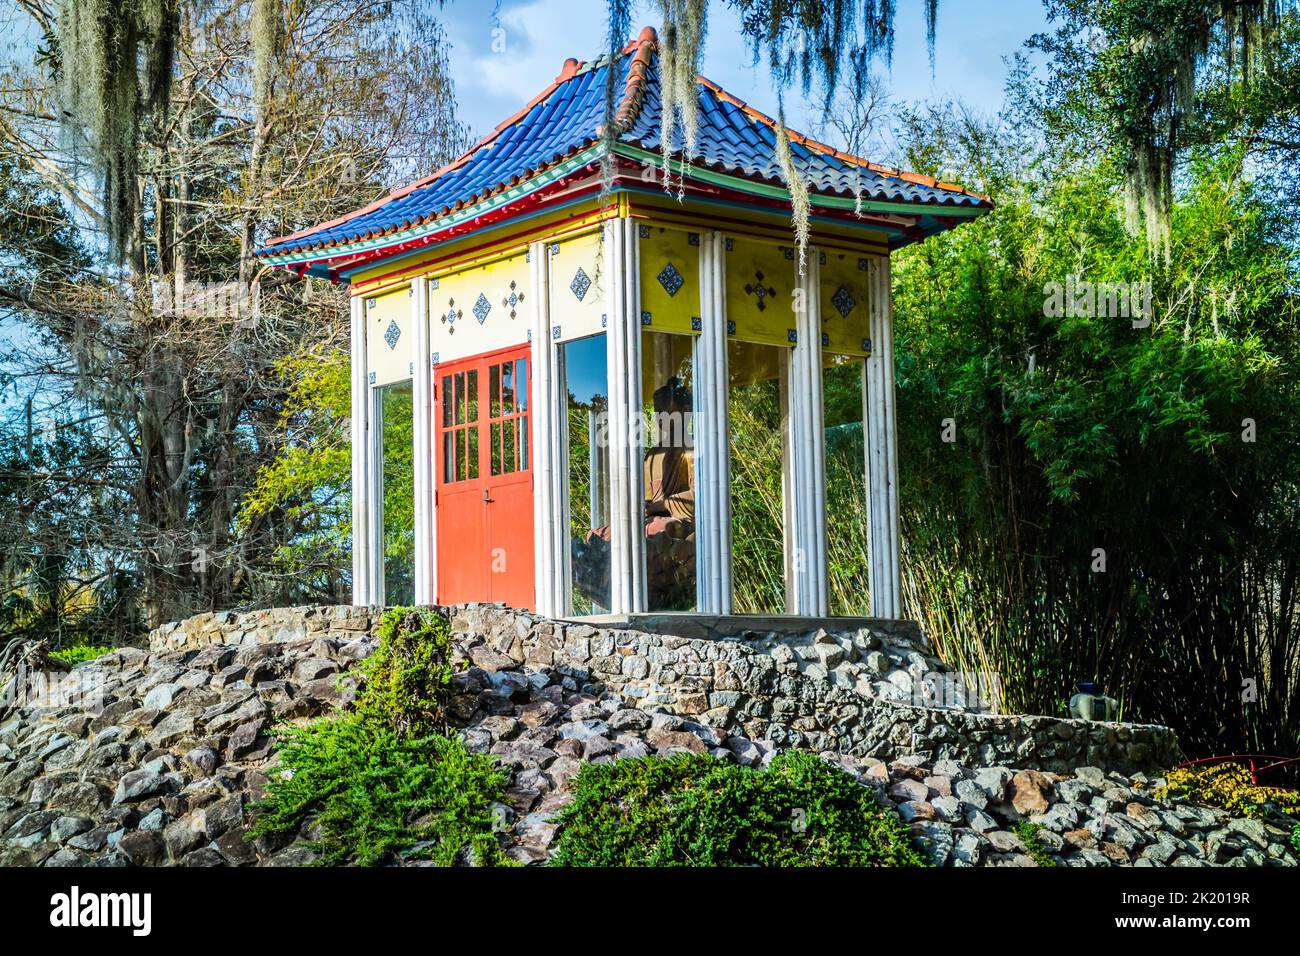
point(823, 690)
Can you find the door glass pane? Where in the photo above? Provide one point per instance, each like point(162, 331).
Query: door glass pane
point(583, 364)
point(755, 406)
point(471, 452)
point(448, 396)
point(448, 456)
point(521, 380)
point(523, 443)
point(507, 388)
point(496, 448)
point(668, 472)
point(847, 557)
point(494, 391)
point(396, 414)
point(508, 451)
point(471, 394)
point(460, 398)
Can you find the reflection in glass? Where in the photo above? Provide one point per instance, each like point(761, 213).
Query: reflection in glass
point(847, 557)
point(395, 428)
point(667, 379)
point(755, 404)
point(584, 375)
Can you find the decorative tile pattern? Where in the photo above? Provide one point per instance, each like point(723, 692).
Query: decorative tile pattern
point(862, 265)
point(372, 378)
point(481, 308)
point(604, 320)
point(693, 238)
point(670, 279)
point(392, 333)
point(759, 291)
point(731, 327)
point(645, 318)
point(643, 231)
point(433, 283)
point(512, 301)
point(791, 336)
point(555, 248)
point(843, 302)
point(580, 284)
point(697, 324)
point(433, 359)
point(555, 331)
point(866, 346)
point(826, 340)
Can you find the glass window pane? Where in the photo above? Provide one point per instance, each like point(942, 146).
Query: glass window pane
point(397, 499)
point(523, 443)
point(448, 397)
point(507, 389)
point(471, 390)
point(461, 454)
point(755, 406)
point(448, 456)
point(668, 472)
point(460, 398)
point(494, 391)
point(471, 465)
point(508, 451)
point(521, 383)
point(586, 386)
point(496, 448)
point(847, 557)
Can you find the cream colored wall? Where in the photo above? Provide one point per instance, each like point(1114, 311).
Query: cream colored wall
point(574, 316)
point(388, 359)
point(479, 309)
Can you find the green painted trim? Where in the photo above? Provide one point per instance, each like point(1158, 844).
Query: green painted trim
point(779, 192)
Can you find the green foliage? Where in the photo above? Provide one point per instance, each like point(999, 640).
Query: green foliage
point(407, 677)
point(689, 810)
point(1078, 432)
point(386, 779)
point(1028, 833)
point(81, 653)
point(373, 793)
point(1229, 786)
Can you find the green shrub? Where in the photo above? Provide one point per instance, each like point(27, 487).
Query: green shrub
point(690, 810)
point(407, 677)
point(375, 794)
point(387, 779)
point(72, 656)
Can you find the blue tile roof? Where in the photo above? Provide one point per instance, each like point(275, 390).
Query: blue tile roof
point(567, 118)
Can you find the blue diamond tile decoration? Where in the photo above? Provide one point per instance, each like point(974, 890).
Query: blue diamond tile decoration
point(392, 334)
point(580, 284)
point(843, 302)
point(555, 331)
point(697, 323)
point(450, 317)
point(670, 279)
point(645, 318)
point(372, 378)
point(481, 308)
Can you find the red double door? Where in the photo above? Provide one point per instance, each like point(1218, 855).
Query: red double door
point(485, 479)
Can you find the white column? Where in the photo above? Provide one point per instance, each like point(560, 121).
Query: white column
point(809, 587)
point(882, 448)
point(712, 453)
point(550, 536)
point(375, 493)
point(627, 564)
point(426, 551)
point(360, 438)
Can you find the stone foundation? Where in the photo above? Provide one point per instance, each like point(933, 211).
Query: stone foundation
point(859, 688)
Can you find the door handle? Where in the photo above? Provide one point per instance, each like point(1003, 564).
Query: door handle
point(487, 496)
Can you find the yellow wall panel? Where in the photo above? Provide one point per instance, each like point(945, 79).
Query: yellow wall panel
point(760, 280)
point(845, 304)
point(480, 309)
point(670, 278)
point(579, 287)
point(390, 337)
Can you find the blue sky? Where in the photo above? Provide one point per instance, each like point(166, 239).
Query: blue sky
point(974, 37)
